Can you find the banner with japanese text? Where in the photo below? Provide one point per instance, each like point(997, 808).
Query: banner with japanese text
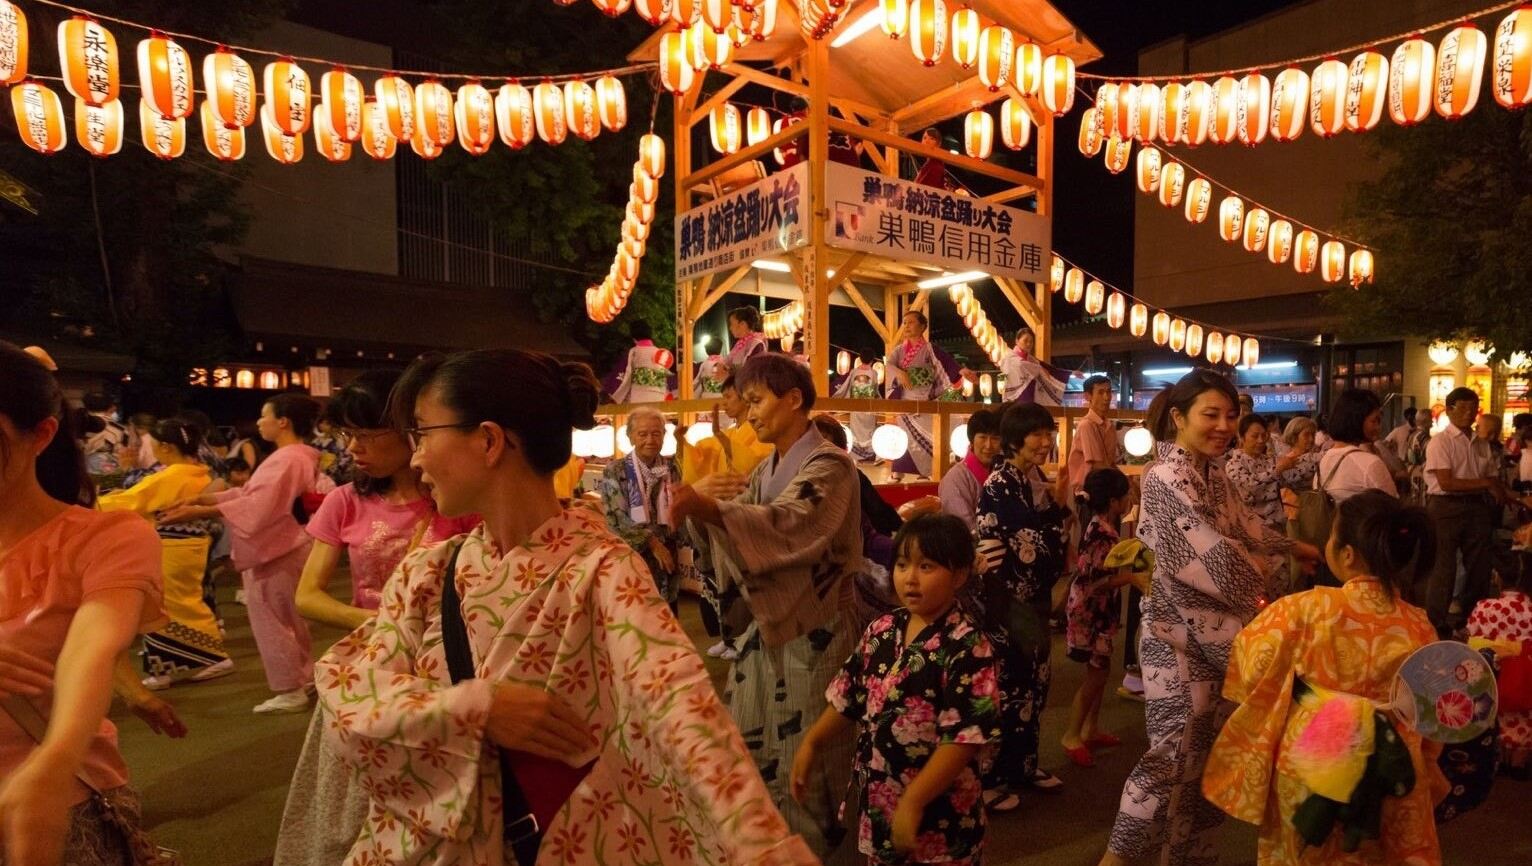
point(766, 218)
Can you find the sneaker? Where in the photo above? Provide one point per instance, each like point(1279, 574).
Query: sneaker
point(213, 672)
point(717, 650)
point(295, 701)
point(1043, 780)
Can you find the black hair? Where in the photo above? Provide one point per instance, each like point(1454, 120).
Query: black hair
point(920, 317)
point(29, 395)
point(728, 383)
point(1020, 421)
point(931, 130)
point(199, 419)
point(750, 316)
point(1103, 485)
point(1520, 420)
point(1024, 329)
point(85, 423)
point(363, 405)
point(1180, 397)
point(300, 410)
point(985, 422)
point(831, 430)
point(1409, 415)
point(639, 329)
point(1095, 382)
point(533, 395)
point(1515, 569)
point(942, 538)
point(1348, 417)
point(1458, 394)
point(1248, 421)
point(235, 464)
point(777, 373)
point(98, 401)
point(215, 438)
point(1396, 542)
point(179, 433)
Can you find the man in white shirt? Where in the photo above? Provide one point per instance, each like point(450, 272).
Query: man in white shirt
point(1462, 503)
point(1398, 439)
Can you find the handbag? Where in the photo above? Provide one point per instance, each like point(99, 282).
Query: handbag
point(141, 849)
point(1316, 515)
point(532, 788)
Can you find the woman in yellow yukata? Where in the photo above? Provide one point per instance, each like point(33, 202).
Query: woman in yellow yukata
point(1346, 643)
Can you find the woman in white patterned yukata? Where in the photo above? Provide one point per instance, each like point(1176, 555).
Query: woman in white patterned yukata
point(1259, 475)
point(1208, 582)
point(861, 384)
point(573, 655)
point(917, 370)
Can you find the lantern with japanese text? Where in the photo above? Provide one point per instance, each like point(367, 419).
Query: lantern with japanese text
point(723, 126)
point(1279, 242)
point(1232, 344)
point(706, 49)
point(997, 53)
point(1056, 274)
point(1138, 319)
point(226, 144)
point(979, 134)
point(676, 71)
point(1305, 251)
point(896, 17)
point(377, 142)
point(759, 21)
point(341, 97)
point(474, 112)
point(1177, 340)
point(88, 60)
point(928, 30)
point(640, 211)
point(1116, 152)
point(1257, 222)
point(1289, 104)
point(1172, 182)
point(1226, 102)
point(1148, 169)
point(1173, 113)
point(397, 98)
point(280, 146)
point(514, 116)
point(685, 13)
point(1116, 309)
point(1090, 128)
point(1231, 218)
point(1510, 75)
point(329, 144)
point(39, 117)
point(288, 96)
point(1411, 73)
point(1214, 348)
point(651, 154)
point(1332, 261)
point(435, 118)
point(612, 103)
point(581, 114)
point(965, 37)
point(1327, 97)
point(1254, 110)
point(1199, 200)
point(1108, 104)
point(654, 12)
point(548, 111)
point(757, 126)
point(1149, 105)
point(1193, 340)
point(165, 77)
point(1028, 71)
point(1058, 88)
point(98, 128)
point(1074, 285)
point(1251, 351)
point(1199, 113)
point(162, 136)
point(1366, 90)
point(1459, 71)
point(1095, 297)
point(14, 43)
point(1360, 267)
point(1160, 330)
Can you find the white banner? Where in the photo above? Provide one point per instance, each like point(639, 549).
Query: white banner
point(766, 218)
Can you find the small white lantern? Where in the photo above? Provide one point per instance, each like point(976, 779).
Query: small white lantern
point(1138, 441)
point(890, 442)
point(958, 441)
point(698, 432)
point(601, 443)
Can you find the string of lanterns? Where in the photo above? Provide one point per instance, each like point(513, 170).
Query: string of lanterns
point(603, 302)
point(783, 322)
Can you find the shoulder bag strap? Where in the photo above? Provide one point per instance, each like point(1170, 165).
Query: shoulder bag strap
point(1323, 485)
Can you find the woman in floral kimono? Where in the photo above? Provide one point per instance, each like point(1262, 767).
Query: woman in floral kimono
point(1207, 584)
point(645, 377)
point(861, 384)
point(917, 370)
point(577, 659)
point(1349, 639)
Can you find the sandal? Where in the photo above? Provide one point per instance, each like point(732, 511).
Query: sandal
point(1103, 741)
point(999, 801)
point(1080, 756)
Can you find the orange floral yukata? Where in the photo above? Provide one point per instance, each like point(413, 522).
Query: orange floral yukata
point(573, 611)
point(1348, 639)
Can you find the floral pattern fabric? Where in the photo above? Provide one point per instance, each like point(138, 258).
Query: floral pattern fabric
point(1033, 533)
point(615, 503)
point(1091, 609)
point(1508, 617)
point(907, 700)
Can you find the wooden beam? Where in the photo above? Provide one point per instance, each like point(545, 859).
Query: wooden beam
point(702, 302)
point(871, 315)
point(864, 112)
point(749, 154)
point(980, 166)
point(765, 79)
point(717, 99)
point(816, 259)
point(970, 92)
point(922, 303)
point(1022, 301)
point(1044, 348)
point(1012, 194)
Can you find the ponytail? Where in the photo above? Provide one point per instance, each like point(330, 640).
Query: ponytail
point(1395, 542)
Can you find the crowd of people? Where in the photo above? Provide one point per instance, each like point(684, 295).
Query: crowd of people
point(516, 686)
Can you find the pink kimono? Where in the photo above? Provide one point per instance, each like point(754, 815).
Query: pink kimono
point(270, 548)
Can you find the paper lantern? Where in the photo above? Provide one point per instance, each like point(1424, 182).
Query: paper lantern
point(474, 114)
point(978, 134)
point(1172, 182)
point(1028, 71)
point(1510, 75)
point(890, 442)
point(1214, 348)
point(1442, 353)
point(645, 187)
point(377, 142)
point(288, 96)
point(757, 126)
point(1305, 252)
point(1149, 105)
point(1279, 242)
point(1199, 199)
point(1138, 320)
point(329, 144)
point(685, 12)
point(1090, 129)
point(997, 54)
point(655, 12)
point(98, 128)
point(397, 99)
point(723, 126)
point(39, 117)
point(1289, 104)
point(1231, 218)
point(842, 362)
point(1116, 309)
point(965, 37)
point(1366, 90)
point(14, 43)
point(88, 60)
point(514, 116)
point(641, 212)
point(1252, 351)
point(340, 98)
point(1227, 99)
point(1127, 111)
point(717, 14)
point(676, 71)
point(759, 21)
point(1148, 169)
point(581, 115)
point(1056, 274)
point(611, 103)
point(1327, 97)
point(928, 30)
point(1254, 115)
point(1459, 71)
point(1332, 261)
point(1108, 104)
point(1116, 152)
point(1411, 74)
point(165, 77)
point(1095, 298)
point(1074, 285)
point(224, 143)
point(1177, 340)
point(706, 49)
point(613, 8)
point(548, 111)
point(1194, 341)
point(1231, 349)
point(285, 149)
point(1160, 332)
point(1173, 113)
point(1199, 113)
point(1361, 267)
point(1257, 222)
point(651, 154)
point(895, 19)
point(1058, 88)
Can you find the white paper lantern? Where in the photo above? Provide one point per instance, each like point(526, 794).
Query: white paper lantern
point(668, 449)
point(602, 446)
point(890, 442)
point(958, 441)
point(699, 431)
point(1138, 441)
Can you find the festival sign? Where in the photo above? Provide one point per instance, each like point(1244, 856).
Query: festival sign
point(766, 218)
point(905, 220)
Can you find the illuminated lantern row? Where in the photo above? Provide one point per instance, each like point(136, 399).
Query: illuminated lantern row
point(475, 117)
point(783, 322)
point(98, 128)
point(1459, 71)
point(88, 60)
point(280, 146)
point(340, 101)
point(377, 141)
point(231, 93)
point(1091, 128)
point(1289, 104)
point(288, 97)
point(1510, 74)
point(1172, 184)
point(676, 70)
point(978, 323)
point(39, 117)
point(928, 30)
point(605, 301)
point(1116, 152)
point(706, 48)
point(1148, 169)
point(226, 144)
point(818, 17)
point(165, 77)
point(724, 128)
point(162, 136)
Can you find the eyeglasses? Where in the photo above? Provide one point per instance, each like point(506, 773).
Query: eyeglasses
point(415, 435)
point(347, 435)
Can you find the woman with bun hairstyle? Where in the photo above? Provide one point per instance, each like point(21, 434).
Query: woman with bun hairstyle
point(574, 656)
point(1348, 640)
point(191, 646)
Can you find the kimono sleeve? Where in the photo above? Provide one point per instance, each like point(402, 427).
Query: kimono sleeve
point(970, 713)
point(1000, 516)
point(947, 367)
point(614, 504)
point(267, 498)
point(1247, 474)
point(1206, 560)
point(1248, 529)
point(415, 740)
point(797, 528)
point(145, 497)
point(624, 386)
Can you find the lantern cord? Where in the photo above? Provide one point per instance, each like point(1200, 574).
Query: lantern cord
point(1310, 58)
point(616, 72)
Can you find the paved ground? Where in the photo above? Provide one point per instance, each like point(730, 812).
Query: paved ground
point(217, 795)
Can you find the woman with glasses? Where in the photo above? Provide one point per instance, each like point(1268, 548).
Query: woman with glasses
point(574, 659)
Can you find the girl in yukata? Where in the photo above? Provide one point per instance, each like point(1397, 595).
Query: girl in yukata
point(645, 376)
point(917, 370)
point(270, 546)
point(574, 656)
point(861, 383)
point(1208, 582)
point(922, 691)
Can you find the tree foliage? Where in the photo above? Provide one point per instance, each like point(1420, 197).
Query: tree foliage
point(1451, 217)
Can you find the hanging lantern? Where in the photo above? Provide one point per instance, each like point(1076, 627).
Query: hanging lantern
point(1160, 332)
point(1214, 352)
point(548, 111)
point(1226, 104)
point(1149, 105)
point(1279, 242)
point(986, 385)
point(759, 21)
point(1305, 252)
point(1254, 115)
point(706, 49)
point(1257, 221)
point(1199, 199)
point(98, 128)
point(425, 148)
point(1510, 76)
point(1173, 113)
point(88, 60)
point(641, 212)
point(377, 141)
point(717, 14)
point(1148, 169)
point(165, 77)
point(757, 126)
point(1360, 267)
point(284, 148)
point(1252, 351)
point(230, 84)
point(842, 362)
point(397, 98)
point(723, 124)
point(1056, 274)
point(1127, 111)
point(39, 117)
point(1172, 182)
point(1074, 285)
point(580, 112)
point(676, 71)
point(1058, 88)
point(224, 143)
point(965, 37)
point(1095, 298)
point(1090, 128)
point(654, 12)
point(341, 97)
point(288, 96)
point(1332, 261)
point(928, 30)
point(1028, 71)
point(1366, 89)
point(613, 8)
point(979, 134)
point(1116, 153)
point(895, 19)
point(474, 112)
point(997, 53)
point(1327, 97)
point(651, 155)
point(163, 137)
point(1108, 104)
point(1138, 320)
point(685, 13)
point(1199, 113)
point(1459, 71)
point(612, 103)
point(434, 115)
point(1116, 310)
point(1289, 104)
point(514, 116)
point(1411, 73)
point(1231, 218)
point(1193, 346)
point(1177, 340)
point(329, 144)
point(1231, 349)
point(14, 44)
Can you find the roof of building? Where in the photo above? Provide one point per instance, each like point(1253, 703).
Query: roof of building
point(72, 358)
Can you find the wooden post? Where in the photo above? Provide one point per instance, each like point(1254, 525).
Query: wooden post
point(816, 256)
point(681, 169)
point(1044, 347)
